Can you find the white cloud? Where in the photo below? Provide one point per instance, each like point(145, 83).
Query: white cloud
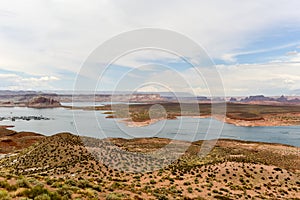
point(61, 34)
point(229, 57)
point(43, 38)
point(17, 82)
point(152, 88)
point(292, 53)
point(141, 57)
point(245, 79)
point(8, 76)
point(269, 78)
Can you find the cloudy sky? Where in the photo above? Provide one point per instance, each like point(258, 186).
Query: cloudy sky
point(255, 45)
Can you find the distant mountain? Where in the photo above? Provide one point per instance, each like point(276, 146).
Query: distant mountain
point(18, 92)
point(23, 92)
point(262, 98)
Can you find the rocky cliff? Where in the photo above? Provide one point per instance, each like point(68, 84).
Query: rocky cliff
point(43, 102)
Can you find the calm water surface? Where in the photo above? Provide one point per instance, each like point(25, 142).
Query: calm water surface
point(94, 124)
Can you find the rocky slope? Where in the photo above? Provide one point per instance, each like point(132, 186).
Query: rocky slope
point(11, 141)
point(65, 166)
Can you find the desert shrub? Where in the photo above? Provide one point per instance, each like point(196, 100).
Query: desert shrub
point(161, 197)
point(97, 188)
point(23, 183)
point(56, 184)
point(187, 183)
point(224, 189)
point(222, 197)
point(65, 192)
point(83, 184)
point(115, 185)
point(50, 181)
point(171, 180)
point(42, 197)
point(277, 169)
point(215, 191)
point(89, 193)
point(35, 191)
point(115, 196)
point(4, 184)
point(257, 187)
point(4, 195)
point(71, 182)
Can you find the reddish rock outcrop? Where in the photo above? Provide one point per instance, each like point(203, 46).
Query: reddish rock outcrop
point(43, 102)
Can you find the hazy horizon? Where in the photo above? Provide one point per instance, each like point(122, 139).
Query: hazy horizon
point(179, 94)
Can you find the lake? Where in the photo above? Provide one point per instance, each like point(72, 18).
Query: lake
point(94, 124)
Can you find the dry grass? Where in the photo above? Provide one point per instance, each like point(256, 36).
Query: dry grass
point(65, 166)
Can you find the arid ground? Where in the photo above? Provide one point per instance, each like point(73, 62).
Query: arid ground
point(65, 166)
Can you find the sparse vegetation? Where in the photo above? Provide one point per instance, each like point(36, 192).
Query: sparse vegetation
point(65, 166)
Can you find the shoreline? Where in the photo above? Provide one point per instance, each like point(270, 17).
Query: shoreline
point(278, 119)
point(267, 122)
point(288, 118)
point(7, 129)
point(26, 134)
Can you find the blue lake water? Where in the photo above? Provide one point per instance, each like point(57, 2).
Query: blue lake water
point(94, 124)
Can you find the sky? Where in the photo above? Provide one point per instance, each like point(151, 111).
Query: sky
point(254, 45)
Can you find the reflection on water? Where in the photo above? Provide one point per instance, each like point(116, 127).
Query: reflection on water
point(94, 124)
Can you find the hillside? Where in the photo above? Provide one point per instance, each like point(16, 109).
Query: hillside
point(62, 167)
point(11, 141)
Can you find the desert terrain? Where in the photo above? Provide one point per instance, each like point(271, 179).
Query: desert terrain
point(65, 166)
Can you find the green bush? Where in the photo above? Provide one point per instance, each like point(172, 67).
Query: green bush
point(187, 183)
point(4, 195)
point(42, 197)
point(222, 197)
point(65, 192)
point(215, 191)
point(7, 186)
point(4, 184)
point(115, 196)
point(83, 184)
point(71, 182)
point(23, 183)
point(35, 191)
